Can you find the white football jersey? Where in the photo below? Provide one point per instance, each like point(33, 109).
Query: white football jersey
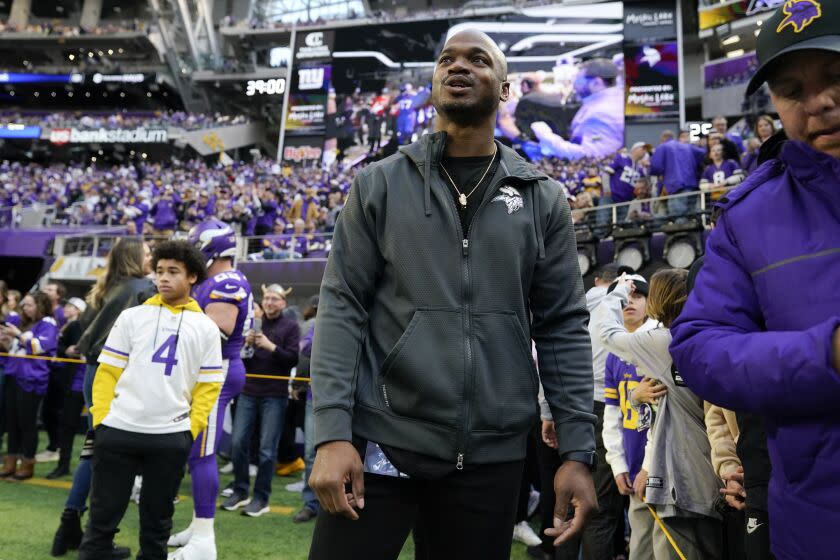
point(164, 352)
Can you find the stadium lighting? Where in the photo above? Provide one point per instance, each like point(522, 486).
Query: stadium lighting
point(632, 246)
point(120, 50)
point(144, 155)
point(90, 54)
point(87, 94)
point(683, 243)
point(148, 94)
point(93, 159)
point(122, 94)
point(71, 56)
point(587, 251)
point(731, 40)
point(110, 51)
point(734, 54)
point(37, 94)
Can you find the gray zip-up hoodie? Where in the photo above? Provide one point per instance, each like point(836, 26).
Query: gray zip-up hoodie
point(423, 331)
point(681, 476)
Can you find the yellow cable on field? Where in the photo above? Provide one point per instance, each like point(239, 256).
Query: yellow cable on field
point(77, 361)
point(667, 534)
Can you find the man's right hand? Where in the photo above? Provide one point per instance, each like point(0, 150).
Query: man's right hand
point(338, 463)
point(623, 483)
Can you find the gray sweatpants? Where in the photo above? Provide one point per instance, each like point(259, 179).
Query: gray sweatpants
point(699, 538)
point(642, 527)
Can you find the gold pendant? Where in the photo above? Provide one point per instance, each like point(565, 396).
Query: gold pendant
point(463, 200)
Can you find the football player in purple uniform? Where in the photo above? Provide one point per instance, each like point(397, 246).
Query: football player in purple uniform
point(226, 298)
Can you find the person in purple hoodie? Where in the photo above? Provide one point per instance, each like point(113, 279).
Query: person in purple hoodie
point(760, 332)
point(165, 219)
point(27, 382)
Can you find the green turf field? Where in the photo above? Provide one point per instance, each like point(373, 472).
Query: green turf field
point(30, 511)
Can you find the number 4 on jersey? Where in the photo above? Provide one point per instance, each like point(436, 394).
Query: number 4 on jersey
point(166, 354)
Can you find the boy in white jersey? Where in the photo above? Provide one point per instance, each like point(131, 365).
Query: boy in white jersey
point(160, 372)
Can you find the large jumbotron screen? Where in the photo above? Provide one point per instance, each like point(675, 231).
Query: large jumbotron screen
point(381, 76)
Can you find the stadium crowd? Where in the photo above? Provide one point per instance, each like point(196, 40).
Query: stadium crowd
point(53, 28)
point(293, 209)
point(125, 119)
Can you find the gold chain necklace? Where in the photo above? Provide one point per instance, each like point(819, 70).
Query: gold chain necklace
point(462, 198)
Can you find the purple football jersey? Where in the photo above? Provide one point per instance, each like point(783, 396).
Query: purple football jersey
point(229, 287)
point(620, 378)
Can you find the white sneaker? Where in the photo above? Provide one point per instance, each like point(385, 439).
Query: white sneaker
point(296, 487)
point(182, 538)
point(533, 503)
point(199, 548)
point(227, 469)
point(523, 533)
point(47, 456)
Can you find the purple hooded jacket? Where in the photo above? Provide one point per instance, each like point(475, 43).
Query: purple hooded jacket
point(756, 332)
point(33, 375)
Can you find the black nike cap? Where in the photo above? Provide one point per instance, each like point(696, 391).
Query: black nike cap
point(796, 25)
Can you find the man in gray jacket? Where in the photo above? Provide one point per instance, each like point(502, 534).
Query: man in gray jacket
point(448, 259)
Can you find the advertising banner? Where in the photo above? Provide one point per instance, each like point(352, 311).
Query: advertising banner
point(20, 131)
point(307, 108)
point(725, 85)
point(651, 21)
point(303, 150)
point(137, 135)
point(314, 45)
point(718, 14)
point(652, 82)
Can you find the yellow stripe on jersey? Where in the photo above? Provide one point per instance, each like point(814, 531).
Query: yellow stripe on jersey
point(115, 356)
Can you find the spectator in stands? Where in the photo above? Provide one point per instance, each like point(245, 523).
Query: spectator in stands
point(720, 173)
point(53, 402)
point(71, 377)
point(677, 477)
point(625, 430)
point(719, 124)
point(27, 383)
point(262, 404)
point(764, 129)
point(730, 150)
point(12, 305)
point(122, 285)
point(164, 214)
point(679, 166)
point(640, 210)
point(624, 170)
point(56, 292)
point(311, 506)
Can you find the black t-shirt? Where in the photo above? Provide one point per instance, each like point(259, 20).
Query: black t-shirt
point(465, 172)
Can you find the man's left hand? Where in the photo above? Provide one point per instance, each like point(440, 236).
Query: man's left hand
point(573, 486)
point(261, 341)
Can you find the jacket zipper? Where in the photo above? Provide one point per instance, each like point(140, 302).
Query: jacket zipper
point(465, 297)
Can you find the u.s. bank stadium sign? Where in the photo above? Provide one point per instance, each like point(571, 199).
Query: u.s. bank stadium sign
point(137, 135)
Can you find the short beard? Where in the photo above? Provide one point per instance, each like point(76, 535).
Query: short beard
point(467, 114)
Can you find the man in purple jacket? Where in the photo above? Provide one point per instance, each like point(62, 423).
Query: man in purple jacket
point(761, 330)
point(679, 165)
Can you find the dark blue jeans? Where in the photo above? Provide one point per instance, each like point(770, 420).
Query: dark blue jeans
point(309, 498)
point(271, 412)
point(81, 477)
